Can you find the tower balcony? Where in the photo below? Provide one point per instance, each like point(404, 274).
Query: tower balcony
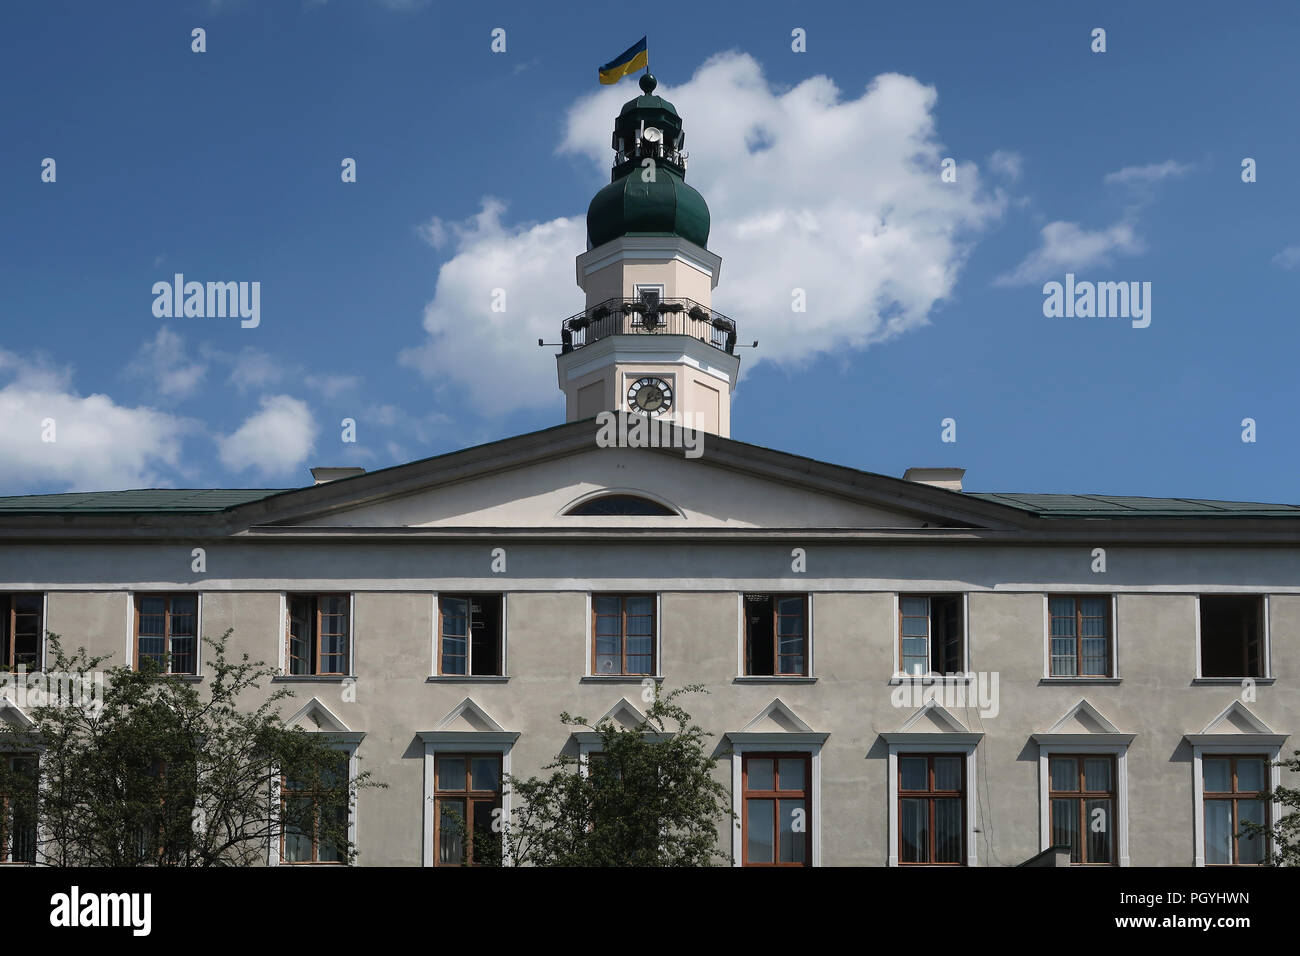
point(648, 317)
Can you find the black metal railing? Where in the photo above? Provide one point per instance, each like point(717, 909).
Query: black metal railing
point(648, 317)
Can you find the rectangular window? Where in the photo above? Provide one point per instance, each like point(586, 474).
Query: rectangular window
point(467, 801)
point(18, 809)
point(20, 631)
point(318, 634)
point(623, 631)
point(776, 635)
point(776, 806)
point(469, 635)
point(932, 809)
point(1082, 795)
point(1081, 638)
point(1232, 635)
point(1235, 793)
point(930, 634)
point(166, 632)
point(305, 837)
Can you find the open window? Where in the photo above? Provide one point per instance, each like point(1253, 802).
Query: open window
point(20, 631)
point(318, 638)
point(931, 634)
point(776, 635)
point(470, 635)
point(1232, 635)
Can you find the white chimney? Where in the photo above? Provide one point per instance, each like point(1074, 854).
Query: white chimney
point(323, 475)
point(947, 478)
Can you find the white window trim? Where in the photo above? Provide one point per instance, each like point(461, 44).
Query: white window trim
point(927, 745)
point(659, 287)
point(273, 847)
point(1117, 750)
point(740, 640)
point(1114, 636)
point(898, 676)
point(198, 628)
point(1271, 751)
point(455, 742)
point(738, 752)
point(436, 669)
point(1266, 650)
point(591, 637)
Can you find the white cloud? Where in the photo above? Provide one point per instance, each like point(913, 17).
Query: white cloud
point(98, 444)
point(1006, 164)
point(842, 198)
point(1151, 173)
point(1288, 258)
point(163, 362)
point(274, 441)
point(1067, 247)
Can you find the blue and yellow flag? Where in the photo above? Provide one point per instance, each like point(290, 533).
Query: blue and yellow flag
point(630, 60)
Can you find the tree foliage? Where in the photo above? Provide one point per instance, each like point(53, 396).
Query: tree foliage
point(158, 773)
point(1284, 832)
point(648, 798)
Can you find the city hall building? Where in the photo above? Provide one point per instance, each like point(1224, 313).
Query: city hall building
point(900, 672)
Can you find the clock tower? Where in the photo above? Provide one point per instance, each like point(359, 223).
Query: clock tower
point(648, 340)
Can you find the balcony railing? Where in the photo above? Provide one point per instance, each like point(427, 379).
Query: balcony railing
point(642, 317)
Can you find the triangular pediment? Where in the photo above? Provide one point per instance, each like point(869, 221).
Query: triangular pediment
point(1082, 718)
point(532, 481)
point(13, 715)
point(776, 718)
point(1236, 718)
point(314, 716)
point(933, 718)
point(469, 717)
point(623, 715)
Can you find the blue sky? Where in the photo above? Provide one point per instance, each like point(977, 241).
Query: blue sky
point(474, 170)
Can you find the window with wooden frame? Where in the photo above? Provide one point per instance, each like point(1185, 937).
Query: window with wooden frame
point(470, 635)
point(1082, 794)
point(317, 635)
point(1236, 792)
point(931, 634)
point(1081, 636)
point(776, 635)
point(303, 807)
point(18, 808)
point(1232, 635)
point(776, 807)
point(623, 635)
point(21, 631)
point(932, 809)
point(166, 632)
point(467, 798)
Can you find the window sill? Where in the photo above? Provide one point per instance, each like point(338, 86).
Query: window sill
point(773, 679)
point(1234, 681)
point(466, 679)
point(931, 679)
point(620, 679)
point(311, 678)
point(1078, 680)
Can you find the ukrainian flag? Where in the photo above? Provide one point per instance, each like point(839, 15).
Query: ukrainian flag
point(630, 60)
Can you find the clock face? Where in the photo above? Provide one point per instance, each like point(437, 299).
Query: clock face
point(653, 396)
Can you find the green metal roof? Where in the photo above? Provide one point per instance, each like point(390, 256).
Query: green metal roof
point(139, 501)
point(1124, 506)
point(667, 205)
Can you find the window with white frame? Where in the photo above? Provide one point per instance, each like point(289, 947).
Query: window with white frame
point(931, 634)
point(1232, 633)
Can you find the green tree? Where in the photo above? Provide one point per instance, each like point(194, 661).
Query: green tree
point(649, 798)
point(1284, 832)
point(158, 774)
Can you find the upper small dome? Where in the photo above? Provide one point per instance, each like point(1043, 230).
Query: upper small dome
point(648, 142)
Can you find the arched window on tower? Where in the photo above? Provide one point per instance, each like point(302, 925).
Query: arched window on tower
point(621, 504)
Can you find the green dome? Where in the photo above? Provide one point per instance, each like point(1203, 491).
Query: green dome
point(667, 206)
